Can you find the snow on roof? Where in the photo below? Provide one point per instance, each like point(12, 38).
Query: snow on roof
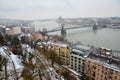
point(2, 26)
point(53, 43)
point(105, 64)
point(82, 47)
point(78, 51)
point(108, 53)
point(105, 48)
point(62, 45)
point(7, 29)
point(28, 34)
point(58, 44)
point(22, 34)
point(77, 56)
point(44, 42)
point(49, 42)
point(39, 43)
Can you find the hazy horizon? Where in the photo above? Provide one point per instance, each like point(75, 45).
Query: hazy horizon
point(52, 9)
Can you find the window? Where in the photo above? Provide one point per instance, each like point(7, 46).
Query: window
point(94, 67)
point(97, 73)
point(75, 60)
point(98, 69)
point(71, 59)
point(71, 65)
point(75, 69)
point(110, 77)
point(102, 71)
point(75, 66)
point(115, 77)
point(116, 72)
point(83, 63)
point(105, 78)
point(111, 71)
point(105, 73)
point(75, 57)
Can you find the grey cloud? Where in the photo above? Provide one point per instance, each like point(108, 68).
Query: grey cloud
point(66, 8)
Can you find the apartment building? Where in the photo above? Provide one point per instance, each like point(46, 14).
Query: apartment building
point(95, 63)
point(62, 52)
point(101, 65)
point(57, 50)
point(14, 30)
point(27, 29)
point(77, 58)
point(17, 29)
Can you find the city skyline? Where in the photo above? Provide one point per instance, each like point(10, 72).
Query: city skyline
point(39, 9)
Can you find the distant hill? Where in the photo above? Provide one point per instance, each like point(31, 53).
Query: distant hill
point(14, 21)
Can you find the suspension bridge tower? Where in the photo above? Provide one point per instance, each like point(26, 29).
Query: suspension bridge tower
point(63, 31)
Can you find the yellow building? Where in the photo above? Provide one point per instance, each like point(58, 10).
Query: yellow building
point(61, 51)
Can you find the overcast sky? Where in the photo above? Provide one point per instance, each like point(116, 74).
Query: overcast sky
point(46, 9)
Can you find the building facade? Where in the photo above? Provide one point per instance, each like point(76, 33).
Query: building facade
point(13, 30)
point(62, 51)
point(28, 29)
point(102, 66)
point(17, 30)
point(95, 71)
point(95, 63)
point(77, 58)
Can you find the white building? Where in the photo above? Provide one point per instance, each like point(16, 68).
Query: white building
point(28, 29)
point(9, 31)
point(77, 58)
point(13, 30)
point(17, 29)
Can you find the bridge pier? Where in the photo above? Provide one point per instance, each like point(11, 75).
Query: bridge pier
point(63, 31)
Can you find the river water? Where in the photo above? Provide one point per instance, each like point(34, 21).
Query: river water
point(104, 37)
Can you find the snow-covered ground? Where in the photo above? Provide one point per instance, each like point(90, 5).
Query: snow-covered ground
point(15, 65)
point(9, 56)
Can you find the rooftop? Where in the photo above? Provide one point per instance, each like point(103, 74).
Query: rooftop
point(105, 61)
point(80, 50)
point(78, 46)
point(100, 56)
point(61, 44)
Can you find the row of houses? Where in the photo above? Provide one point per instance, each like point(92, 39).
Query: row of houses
point(96, 64)
point(90, 62)
point(16, 29)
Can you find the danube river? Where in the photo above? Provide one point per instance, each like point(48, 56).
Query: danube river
point(104, 37)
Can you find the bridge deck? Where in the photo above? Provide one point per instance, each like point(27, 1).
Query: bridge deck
point(54, 30)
